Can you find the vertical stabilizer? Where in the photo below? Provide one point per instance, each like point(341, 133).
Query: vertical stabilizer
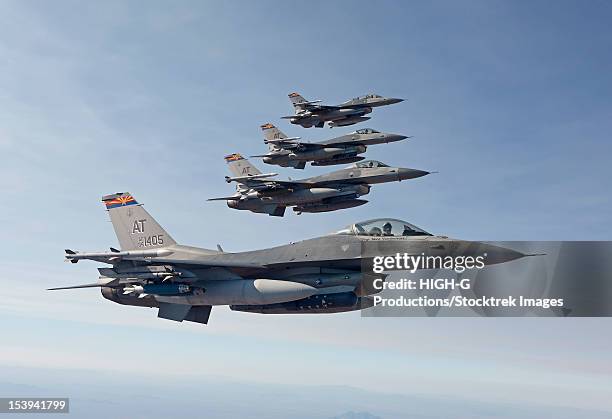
point(270, 132)
point(239, 166)
point(298, 101)
point(134, 226)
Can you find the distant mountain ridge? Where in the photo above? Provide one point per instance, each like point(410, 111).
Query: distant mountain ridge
point(356, 415)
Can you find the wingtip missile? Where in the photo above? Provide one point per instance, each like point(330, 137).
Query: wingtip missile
point(115, 254)
point(281, 140)
point(225, 198)
point(310, 102)
point(230, 179)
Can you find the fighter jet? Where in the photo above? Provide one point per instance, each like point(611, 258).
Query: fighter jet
point(290, 152)
point(319, 275)
point(256, 192)
point(310, 114)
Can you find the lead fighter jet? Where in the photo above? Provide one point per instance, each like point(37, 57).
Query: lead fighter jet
point(290, 152)
point(257, 192)
point(320, 275)
point(310, 114)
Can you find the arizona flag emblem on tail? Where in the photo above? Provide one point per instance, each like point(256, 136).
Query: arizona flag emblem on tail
point(233, 157)
point(120, 201)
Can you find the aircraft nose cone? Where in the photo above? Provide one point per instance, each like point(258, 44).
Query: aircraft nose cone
point(404, 173)
point(498, 254)
point(394, 100)
point(395, 137)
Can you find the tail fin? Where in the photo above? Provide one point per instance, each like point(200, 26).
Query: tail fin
point(134, 226)
point(270, 132)
point(239, 166)
point(297, 100)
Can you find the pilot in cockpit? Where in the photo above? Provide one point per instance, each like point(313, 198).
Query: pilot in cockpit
point(375, 231)
point(387, 229)
point(408, 231)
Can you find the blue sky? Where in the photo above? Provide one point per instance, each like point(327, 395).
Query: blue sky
point(509, 101)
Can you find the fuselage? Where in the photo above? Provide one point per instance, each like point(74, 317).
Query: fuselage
point(333, 264)
point(348, 113)
point(340, 150)
point(350, 183)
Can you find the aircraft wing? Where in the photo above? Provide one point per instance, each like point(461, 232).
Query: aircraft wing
point(317, 107)
point(211, 263)
point(309, 108)
point(292, 144)
point(269, 184)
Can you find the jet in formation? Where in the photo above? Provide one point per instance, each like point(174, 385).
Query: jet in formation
point(319, 275)
point(257, 192)
point(290, 152)
point(310, 114)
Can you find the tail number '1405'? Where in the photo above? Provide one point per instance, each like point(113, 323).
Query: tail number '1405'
point(154, 240)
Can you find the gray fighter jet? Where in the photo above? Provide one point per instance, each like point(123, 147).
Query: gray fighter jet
point(310, 114)
point(320, 275)
point(290, 152)
point(333, 191)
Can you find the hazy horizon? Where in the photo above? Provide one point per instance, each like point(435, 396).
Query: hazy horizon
point(509, 101)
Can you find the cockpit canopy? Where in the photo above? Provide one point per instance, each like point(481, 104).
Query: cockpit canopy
point(370, 163)
point(368, 96)
point(367, 131)
point(383, 227)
